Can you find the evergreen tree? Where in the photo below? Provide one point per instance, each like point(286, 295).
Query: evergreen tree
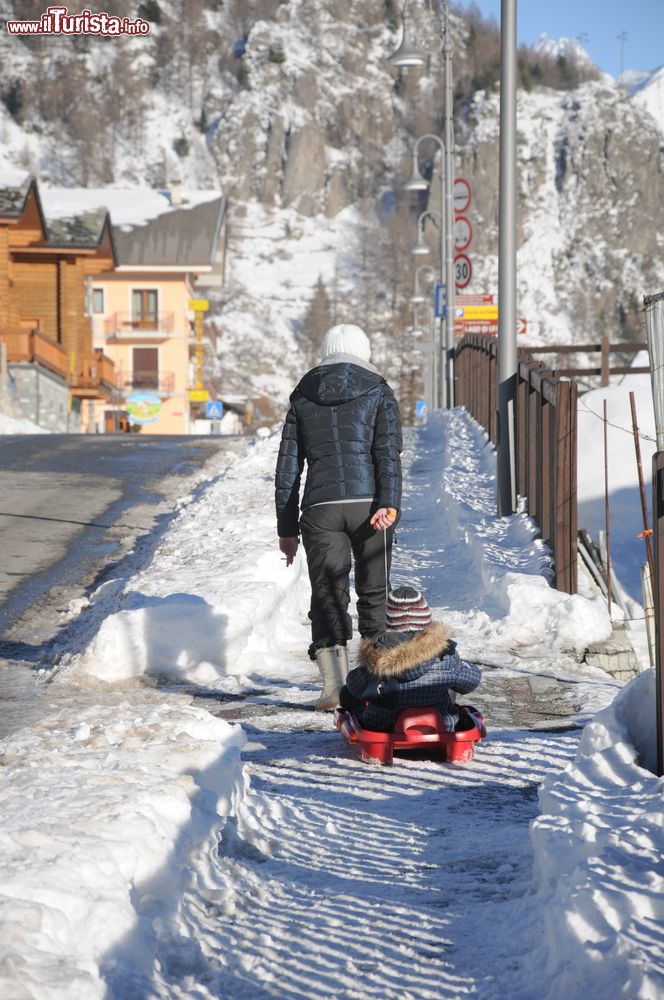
point(316, 322)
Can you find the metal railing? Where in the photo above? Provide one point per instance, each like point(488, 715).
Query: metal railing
point(126, 323)
point(163, 382)
point(545, 441)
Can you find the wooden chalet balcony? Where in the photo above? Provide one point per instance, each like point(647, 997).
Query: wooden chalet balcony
point(36, 348)
point(93, 376)
point(126, 325)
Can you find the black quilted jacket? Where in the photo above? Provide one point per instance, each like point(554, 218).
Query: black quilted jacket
point(344, 420)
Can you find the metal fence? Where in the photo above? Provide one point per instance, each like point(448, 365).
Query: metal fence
point(546, 441)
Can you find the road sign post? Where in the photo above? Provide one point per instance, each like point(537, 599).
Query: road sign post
point(214, 409)
point(439, 301)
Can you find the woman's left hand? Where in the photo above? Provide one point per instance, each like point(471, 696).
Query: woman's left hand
point(288, 546)
point(383, 518)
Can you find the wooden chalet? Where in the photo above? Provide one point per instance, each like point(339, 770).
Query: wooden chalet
point(45, 271)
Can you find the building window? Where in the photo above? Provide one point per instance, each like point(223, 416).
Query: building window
point(97, 300)
point(145, 368)
point(144, 307)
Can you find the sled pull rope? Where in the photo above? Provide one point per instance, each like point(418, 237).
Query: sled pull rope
point(385, 551)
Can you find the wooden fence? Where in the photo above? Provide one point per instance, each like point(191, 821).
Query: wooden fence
point(545, 441)
point(605, 349)
point(658, 525)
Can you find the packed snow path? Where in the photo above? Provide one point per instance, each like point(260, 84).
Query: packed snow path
point(344, 880)
point(167, 866)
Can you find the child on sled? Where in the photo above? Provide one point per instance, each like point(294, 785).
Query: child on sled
point(412, 664)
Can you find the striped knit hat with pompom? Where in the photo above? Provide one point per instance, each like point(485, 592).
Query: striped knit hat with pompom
point(407, 610)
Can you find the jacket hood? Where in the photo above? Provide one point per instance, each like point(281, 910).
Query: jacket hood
point(390, 661)
point(331, 384)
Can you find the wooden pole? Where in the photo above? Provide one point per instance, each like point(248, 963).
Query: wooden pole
point(606, 511)
point(644, 504)
point(605, 361)
point(658, 523)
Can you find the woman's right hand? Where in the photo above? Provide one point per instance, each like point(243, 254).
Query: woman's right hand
point(383, 518)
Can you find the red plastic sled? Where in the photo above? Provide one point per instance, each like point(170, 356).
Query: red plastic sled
point(416, 729)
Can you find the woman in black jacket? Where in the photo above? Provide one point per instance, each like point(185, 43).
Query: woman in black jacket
point(344, 421)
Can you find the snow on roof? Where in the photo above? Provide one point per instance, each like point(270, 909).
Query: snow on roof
point(11, 178)
point(13, 189)
point(127, 206)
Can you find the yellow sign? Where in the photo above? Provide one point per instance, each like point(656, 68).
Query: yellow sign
point(198, 395)
point(199, 305)
point(479, 312)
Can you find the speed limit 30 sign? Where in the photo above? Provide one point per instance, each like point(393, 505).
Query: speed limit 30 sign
point(463, 270)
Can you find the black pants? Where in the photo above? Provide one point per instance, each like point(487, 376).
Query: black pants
point(330, 532)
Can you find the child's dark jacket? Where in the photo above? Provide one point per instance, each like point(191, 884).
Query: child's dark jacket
point(407, 670)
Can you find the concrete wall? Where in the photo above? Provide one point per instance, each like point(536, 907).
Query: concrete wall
point(42, 398)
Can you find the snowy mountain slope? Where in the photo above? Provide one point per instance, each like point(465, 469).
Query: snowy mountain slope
point(562, 48)
point(293, 111)
point(591, 223)
point(649, 95)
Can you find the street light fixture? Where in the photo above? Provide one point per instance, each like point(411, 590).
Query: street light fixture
point(407, 54)
point(417, 298)
point(420, 248)
point(416, 182)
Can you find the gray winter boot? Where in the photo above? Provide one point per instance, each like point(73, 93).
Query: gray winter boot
point(333, 667)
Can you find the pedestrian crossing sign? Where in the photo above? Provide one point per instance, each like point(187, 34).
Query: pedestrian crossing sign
point(214, 409)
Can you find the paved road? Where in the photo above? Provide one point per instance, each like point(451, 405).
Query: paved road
point(71, 508)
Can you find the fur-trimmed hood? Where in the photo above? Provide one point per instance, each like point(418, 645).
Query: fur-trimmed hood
point(391, 661)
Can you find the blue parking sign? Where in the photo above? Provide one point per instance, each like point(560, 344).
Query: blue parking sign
point(214, 409)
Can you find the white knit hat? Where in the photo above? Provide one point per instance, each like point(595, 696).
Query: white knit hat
point(346, 339)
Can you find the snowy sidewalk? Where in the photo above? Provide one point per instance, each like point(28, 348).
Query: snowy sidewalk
point(303, 872)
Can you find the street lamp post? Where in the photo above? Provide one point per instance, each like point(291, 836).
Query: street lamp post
point(448, 210)
point(421, 248)
point(416, 182)
point(408, 55)
point(507, 354)
point(417, 298)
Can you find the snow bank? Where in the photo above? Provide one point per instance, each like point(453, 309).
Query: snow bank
point(217, 602)
point(540, 616)
point(20, 425)
point(599, 845)
point(100, 817)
